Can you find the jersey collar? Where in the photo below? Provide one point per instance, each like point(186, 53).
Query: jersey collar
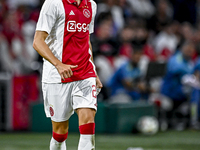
point(84, 2)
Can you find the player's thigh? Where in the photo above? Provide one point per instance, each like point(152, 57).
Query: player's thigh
point(58, 101)
point(84, 94)
point(85, 100)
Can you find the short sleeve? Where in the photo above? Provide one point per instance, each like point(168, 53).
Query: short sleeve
point(94, 9)
point(48, 16)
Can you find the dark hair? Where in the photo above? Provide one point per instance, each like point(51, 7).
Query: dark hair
point(103, 17)
point(187, 43)
point(137, 47)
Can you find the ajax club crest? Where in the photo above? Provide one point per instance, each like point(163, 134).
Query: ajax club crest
point(86, 13)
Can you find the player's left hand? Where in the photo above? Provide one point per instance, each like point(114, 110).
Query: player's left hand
point(99, 85)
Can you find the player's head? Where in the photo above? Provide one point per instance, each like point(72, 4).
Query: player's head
point(188, 50)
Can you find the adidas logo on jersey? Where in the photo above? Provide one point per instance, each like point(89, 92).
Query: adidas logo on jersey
point(71, 13)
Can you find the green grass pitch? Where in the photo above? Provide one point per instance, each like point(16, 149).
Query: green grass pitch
point(170, 140)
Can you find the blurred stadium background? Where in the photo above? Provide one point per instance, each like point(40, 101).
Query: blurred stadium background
point(158, 28)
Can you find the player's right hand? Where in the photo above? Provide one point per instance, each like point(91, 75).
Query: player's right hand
point(65, 70)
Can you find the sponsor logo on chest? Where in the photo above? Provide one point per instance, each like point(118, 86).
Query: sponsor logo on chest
point(73, 26)
point(80, 23)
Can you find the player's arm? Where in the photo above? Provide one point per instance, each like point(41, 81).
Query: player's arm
point(42, 48)
point(98, 81)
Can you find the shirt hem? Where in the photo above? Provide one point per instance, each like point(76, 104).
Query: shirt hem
point(69, 80)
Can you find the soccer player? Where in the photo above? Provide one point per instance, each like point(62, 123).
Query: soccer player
point(69, 79)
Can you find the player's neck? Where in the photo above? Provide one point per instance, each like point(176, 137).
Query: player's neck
point(78, 2)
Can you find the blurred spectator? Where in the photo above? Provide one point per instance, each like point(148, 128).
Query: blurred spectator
point(3, 11)
point(138, 36)
point(195, 98)
point(16, 3)
point(12, 46)
point(142, 38)
point(179, 65)
point(126, 84)
point(196, 39)
point(126, 8)
point(28, 30)
point(18, 55)
point(104, 51)
point(103, 48)
point(162, 16)
point(116, 12)
point(187, 32)
point(126, 37)
point(166, 42)
point(142, 8)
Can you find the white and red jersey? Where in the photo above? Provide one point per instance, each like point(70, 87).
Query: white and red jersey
point(68, 26)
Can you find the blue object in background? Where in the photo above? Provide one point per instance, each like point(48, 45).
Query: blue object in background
point(125, 72)
point(177, 67)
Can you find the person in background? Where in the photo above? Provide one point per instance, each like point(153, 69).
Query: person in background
point(126, 84)
point(126, 37)
point(166, 42)
point(142, 8)
point(178, 66)
point(3, 10)
point(15, 3)
point(127, 10)
point(116, 12)
point(162, 16)
point(104, 49)
point(195, 99)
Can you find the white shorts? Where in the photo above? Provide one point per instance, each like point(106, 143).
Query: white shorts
point(61, 99)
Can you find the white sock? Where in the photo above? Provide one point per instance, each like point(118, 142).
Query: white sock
point(55, 145)
point(86, 142)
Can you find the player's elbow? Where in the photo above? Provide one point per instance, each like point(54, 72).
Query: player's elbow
point(39, 39)
point(35, 44)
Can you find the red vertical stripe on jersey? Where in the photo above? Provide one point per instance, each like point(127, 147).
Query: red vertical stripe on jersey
point(76, 40)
